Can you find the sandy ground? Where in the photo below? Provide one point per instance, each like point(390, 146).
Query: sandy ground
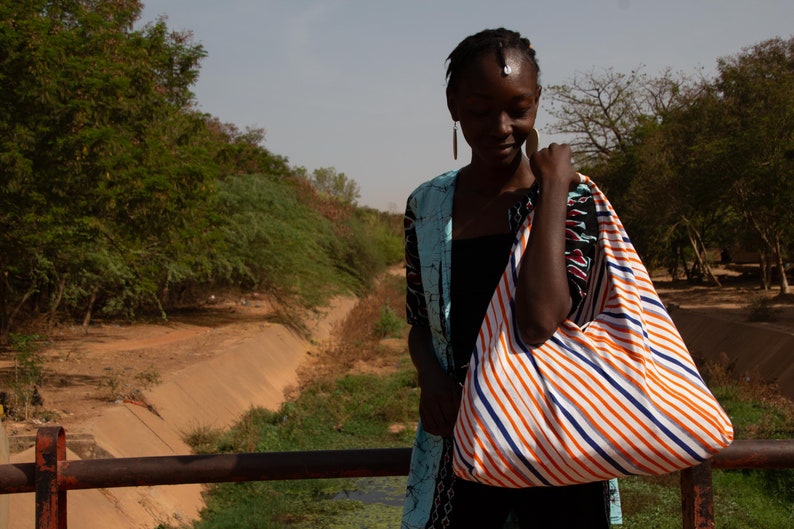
point(733, 300)
point(136, 390)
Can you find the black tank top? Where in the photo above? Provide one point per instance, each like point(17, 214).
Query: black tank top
point(477, 266)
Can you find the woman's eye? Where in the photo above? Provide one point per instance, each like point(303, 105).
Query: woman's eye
point(519, 112)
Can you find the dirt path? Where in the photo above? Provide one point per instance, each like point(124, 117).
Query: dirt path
point(733, 301)
point(137, 390)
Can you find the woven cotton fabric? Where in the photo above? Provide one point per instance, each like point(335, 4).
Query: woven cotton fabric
point(614, 392)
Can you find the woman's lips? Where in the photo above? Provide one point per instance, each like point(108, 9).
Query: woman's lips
point(504, 148)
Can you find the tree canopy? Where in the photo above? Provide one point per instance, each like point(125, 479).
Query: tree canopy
point(116, 194)
point(693, 165)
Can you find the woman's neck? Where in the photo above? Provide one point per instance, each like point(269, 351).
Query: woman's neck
point(486, 181)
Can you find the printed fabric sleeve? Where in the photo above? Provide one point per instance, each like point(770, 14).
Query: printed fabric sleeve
point(415, 303)
point(581, 234)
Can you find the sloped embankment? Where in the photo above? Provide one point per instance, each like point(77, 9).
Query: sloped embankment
point(761, 349)
point(254, 372)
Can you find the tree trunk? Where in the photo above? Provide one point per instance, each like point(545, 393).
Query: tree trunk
point(21, 304)
point(5, 323)
point(701, 256)
point(781, 268)
point(56, 302)
point(764, 267)
point(87, 317)
point(767, 248)
point(681, 255)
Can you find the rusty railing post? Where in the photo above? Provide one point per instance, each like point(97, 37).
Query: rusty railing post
point(50, 500)
point(697, 497)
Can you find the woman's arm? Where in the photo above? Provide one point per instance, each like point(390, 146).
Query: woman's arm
point(439, 399)
point(543, 298)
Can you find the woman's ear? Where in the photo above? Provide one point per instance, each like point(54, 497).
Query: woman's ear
point(452, 106)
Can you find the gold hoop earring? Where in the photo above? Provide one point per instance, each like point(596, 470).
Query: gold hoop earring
point(455, 141)
point(533, 140)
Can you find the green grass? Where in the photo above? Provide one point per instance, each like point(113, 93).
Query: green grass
point(753, 499)
point(355, 411)
point(651, 503)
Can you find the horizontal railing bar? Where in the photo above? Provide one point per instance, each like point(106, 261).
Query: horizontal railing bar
point(212, 468)
point(271, 466)
point(757, 453)
point(17, 477)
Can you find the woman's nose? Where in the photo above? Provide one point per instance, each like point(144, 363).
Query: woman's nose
point(502, 124)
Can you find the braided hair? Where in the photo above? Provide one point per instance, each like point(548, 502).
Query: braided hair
point(493, 40)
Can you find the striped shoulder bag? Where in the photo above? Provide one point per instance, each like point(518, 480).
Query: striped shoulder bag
point(614, 392)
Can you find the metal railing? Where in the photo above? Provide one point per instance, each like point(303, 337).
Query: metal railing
point(51, 476)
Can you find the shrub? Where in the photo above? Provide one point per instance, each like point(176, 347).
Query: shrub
point(389, 325)
point(28, 370)
point(760, 307)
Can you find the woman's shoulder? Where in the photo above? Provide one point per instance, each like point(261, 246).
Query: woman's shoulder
point(437, 187)
point(440, 182)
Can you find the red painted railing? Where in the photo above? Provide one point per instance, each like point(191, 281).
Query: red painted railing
point(51, 476)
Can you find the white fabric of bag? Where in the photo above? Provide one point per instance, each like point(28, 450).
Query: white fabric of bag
point(614, 392)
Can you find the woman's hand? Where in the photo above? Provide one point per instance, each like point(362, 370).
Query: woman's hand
point(439, 402)
point(553, 165)
point(439, 399)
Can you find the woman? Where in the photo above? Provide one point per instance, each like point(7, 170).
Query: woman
point(459, 230)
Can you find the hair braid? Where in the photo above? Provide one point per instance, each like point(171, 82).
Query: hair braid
point(495, 40)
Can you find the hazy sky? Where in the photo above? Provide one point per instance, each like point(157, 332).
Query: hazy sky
point(359, 85)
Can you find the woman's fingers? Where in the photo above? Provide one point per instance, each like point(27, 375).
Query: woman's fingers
point(554, 162)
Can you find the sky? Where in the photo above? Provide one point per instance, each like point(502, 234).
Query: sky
point(358, 85)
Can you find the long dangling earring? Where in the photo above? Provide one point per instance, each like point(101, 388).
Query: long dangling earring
point(455, 141)
point(533, 140)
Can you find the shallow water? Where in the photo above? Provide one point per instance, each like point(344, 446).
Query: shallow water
point(381, 504)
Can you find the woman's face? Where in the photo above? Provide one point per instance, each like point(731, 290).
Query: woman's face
point(496, 111)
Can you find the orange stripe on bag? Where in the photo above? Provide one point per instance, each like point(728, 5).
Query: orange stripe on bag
point(547, 457)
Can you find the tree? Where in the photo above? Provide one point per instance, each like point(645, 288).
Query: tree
point(601, 110)
point(701, 212)
point(243, 152)
point(332, 183)
point(757, 89)
point(626, 128)
point(100, 151)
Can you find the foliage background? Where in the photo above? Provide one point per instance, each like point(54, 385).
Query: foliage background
point(118, 199)
point(694, 166)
